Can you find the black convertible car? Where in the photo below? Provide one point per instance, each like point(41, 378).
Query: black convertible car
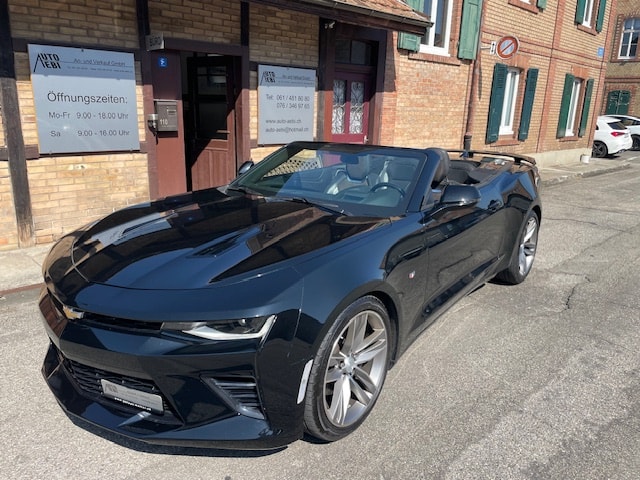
point(246, 315)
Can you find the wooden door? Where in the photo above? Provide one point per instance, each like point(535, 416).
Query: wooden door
point(210, 122)
point(350, 111)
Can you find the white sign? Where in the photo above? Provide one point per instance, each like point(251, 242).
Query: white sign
point(85, 100)
point(285, 104)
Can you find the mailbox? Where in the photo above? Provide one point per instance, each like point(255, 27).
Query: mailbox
point(167, 111)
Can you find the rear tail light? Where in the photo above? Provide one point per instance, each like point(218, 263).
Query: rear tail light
point(618, 134)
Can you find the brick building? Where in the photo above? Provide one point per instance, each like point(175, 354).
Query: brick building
point(191, 88)
point(622, 83)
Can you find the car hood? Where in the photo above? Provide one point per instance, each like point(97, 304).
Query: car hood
point(192, 240)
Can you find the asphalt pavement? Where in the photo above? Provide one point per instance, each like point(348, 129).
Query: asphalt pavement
point(534, 381)
point(21, 269)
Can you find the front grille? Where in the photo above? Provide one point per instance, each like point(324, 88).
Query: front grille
point(108, 323)
point(88, 380)
point(103, 321)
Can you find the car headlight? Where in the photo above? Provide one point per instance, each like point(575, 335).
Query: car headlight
point(240, 329)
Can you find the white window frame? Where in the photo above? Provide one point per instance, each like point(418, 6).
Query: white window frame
point(573, 108)
point(509, 102)
point(629, 31)
point(431, 33)
point(588, 13)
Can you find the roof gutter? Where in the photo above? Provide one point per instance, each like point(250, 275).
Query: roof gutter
point(347, 7)
point(407, 20)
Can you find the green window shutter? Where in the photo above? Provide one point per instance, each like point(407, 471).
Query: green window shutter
point(496, 101)
point(470, 29)
point(618, 102)
point(580, 11)
point(564, 106)
point(407, 40)
point(527, 103)
point(623, 102)
point(612, 102)
point(585, 108)
point(542, 3)
point(600, 19)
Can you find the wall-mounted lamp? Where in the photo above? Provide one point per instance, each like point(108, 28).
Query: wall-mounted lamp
point(330, 25)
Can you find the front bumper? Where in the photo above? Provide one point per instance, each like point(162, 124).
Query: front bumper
point(213, 393)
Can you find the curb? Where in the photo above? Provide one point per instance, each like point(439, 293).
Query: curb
point(24, 288)
point(577, 175)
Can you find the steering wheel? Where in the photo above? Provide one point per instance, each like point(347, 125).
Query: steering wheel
point(388, 185)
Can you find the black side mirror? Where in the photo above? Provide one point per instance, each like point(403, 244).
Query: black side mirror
point(245, 167)
point(460, 196)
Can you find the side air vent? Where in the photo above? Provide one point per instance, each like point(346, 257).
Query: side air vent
point(239, 393)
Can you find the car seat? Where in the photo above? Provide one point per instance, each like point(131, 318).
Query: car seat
point(357, 172)
point(442, 170)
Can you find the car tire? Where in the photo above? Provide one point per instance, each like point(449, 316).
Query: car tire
point(524, 252)
point(636, 142)
point(599, 150)
point(348, 371)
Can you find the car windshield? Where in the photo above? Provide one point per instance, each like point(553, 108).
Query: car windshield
point(349, 179)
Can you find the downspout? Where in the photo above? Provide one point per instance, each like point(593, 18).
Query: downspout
point(476, 73)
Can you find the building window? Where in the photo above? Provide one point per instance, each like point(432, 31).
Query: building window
point(574, 109)
point(339, 106)
point(354, 52)
point(590, 13)
point(538, 3)
point(503, 103)
point(629, 42)
point(436, 40)
point(509, 102)
point(534, 6)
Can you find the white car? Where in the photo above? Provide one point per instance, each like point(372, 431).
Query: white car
point(611, 137)
point(633, 124)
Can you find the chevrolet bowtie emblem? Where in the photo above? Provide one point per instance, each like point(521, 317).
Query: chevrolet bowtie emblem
point(71, 313)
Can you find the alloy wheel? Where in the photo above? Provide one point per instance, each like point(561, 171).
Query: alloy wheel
point(356, 369)
point(528, 245)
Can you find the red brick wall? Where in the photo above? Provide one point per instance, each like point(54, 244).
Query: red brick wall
point(622, 74)
point(209, 21)
point(424, 100)
point(110, 23)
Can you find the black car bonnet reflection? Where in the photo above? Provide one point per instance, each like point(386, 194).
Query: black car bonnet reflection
point(149, 246)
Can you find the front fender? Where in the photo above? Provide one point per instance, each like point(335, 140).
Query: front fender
point(325, 294)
